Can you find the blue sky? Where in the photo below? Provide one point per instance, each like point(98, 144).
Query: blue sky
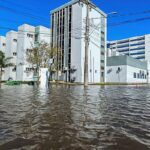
point(14, 13)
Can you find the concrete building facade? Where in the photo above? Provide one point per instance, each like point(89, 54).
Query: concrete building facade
point(68, 30)
point(11, 52)
point(28, 37)
point(3, 49)
point(136, 47)
point(125, 69)
point(3, 43)
point(16, 45)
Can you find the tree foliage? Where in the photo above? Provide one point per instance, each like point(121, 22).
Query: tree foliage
point(4, 62)
point(40, 55)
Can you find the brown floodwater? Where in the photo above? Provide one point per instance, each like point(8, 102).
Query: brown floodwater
point(74, 118)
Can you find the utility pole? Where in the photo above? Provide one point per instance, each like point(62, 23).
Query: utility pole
point(87, 29)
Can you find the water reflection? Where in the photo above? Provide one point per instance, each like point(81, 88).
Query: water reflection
point(71, 117)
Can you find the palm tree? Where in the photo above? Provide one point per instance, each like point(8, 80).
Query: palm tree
point(4, 62)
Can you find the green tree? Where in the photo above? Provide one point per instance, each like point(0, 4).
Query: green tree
point(40, 55)
point(4, 62)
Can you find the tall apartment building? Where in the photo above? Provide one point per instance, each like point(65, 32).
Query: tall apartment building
point(11, 52)
point(68, 31)
point(2, 43)
point(136, 47)
point(42, 34)
point(28, 36)
point(3, 48)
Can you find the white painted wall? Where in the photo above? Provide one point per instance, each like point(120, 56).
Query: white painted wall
point(78, 44)
point(130, 77)
point(44, 75)
point(3, 49)
point(147, 47)
point(2, 43)
point(114, 77)
point(126, 74)
point(148, 70)
point(43, 34)
point(11, 47)
point(24, 43)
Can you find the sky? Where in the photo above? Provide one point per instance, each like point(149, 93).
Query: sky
point(37, 12)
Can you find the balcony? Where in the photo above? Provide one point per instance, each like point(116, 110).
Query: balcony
point(123, 46)
point(137, 52)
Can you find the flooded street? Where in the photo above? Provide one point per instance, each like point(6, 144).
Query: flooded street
point(74, 118)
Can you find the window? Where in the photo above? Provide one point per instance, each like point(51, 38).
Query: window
point(102, 39)
point(4, 44)
point(36, 37)
point(15, 40)
point(29, 50)
point(134, 75)
point(29, 35)
point(102, 32)
point(14, 54)
point(29, 69)
point(102, 68)
point(138, 75)
point(14, 69)
point(102, 53)
point(102, 61)
point(95, 71)
point(145, 76)
point(102, 46)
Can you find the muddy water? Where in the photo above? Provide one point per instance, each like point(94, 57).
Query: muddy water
point(74, 118)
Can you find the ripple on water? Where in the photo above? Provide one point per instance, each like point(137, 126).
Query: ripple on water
point(74, 118)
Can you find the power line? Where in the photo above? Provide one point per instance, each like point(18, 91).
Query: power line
point(23, 13)
point(18, 5)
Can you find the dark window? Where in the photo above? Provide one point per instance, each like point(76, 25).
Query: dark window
point(102, 53)
point(14, 69)
point(4, 44)
point(14, 54)
point(15, 40)
point(29, 69)
point(29, 35)
point(102, 46)
point(102, 39)
point(36, 37)
point(134, 75)
point(102, 67)
point(102, 61)
point(102, 32)
point(29, 50)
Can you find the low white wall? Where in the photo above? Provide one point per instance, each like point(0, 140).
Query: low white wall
point(126, 75)
point(130, 75)
point(113, 77)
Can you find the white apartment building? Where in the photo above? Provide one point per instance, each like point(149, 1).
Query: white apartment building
point(42, 34)
point(11, 52)
point(68, 31)
point(137, 47)
point(3, 43)
point(28, 36)
point(3, 49)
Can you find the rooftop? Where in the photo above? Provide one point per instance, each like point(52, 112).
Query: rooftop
point(126, 60)
point(74, 2)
